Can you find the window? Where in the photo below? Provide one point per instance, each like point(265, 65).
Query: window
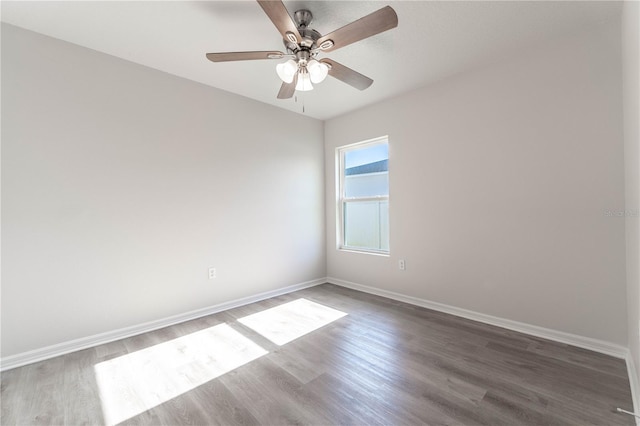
point(363, 196)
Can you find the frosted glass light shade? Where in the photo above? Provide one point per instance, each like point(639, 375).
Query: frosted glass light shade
point(287, 70)
point(304, 82)
point(317, 70)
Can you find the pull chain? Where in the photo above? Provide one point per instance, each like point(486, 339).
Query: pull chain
point(296, 101)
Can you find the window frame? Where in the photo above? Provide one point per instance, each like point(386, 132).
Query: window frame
point(341, 199)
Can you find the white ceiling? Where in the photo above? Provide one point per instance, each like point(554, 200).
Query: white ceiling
point(433, 39)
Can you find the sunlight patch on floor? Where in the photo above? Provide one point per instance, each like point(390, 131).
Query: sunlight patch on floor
point(139, 381)
point(289, 321)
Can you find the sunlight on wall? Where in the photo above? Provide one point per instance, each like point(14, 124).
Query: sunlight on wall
point(289, 321)
point(136, 382)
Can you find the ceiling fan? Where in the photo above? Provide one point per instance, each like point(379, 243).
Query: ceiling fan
point(303, 45)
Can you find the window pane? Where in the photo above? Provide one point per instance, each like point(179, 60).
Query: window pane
point(366, 171)
point(366, 224)
point(366, 185)
point(369, 154)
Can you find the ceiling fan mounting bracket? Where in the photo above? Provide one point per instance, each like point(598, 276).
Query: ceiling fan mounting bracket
point(303, 18)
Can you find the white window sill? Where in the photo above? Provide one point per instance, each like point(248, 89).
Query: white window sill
point(363, 251)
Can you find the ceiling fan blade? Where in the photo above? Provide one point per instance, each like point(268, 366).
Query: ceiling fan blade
point(244, 56)
point(370, 25)
point(288, 89)
point(347, 75)
point(277, 12)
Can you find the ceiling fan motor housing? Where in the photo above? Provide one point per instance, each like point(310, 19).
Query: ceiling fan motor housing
point(303, 18)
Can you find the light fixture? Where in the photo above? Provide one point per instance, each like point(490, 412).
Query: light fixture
point(304, 80)
point(317, 71)
point(307, 70)
point(287, 70)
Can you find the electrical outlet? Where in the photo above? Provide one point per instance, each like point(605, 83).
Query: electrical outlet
point(212, 273)
point(402, 265)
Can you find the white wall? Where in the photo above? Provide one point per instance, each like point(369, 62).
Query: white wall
point(121, 185)
point(631, 71)
point(500, 179)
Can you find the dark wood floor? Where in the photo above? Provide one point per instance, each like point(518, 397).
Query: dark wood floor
point(386, 362)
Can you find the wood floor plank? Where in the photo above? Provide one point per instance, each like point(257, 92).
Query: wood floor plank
point(356, 404)
point(268, 392)
point(12, 389)
point(583, 357)
point(43, 393)
point(221, 406)
point(385, 362)
point(81, 394)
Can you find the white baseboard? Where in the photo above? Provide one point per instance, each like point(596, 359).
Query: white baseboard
point(596, 345)
point(52, 351)
point(633, 382)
